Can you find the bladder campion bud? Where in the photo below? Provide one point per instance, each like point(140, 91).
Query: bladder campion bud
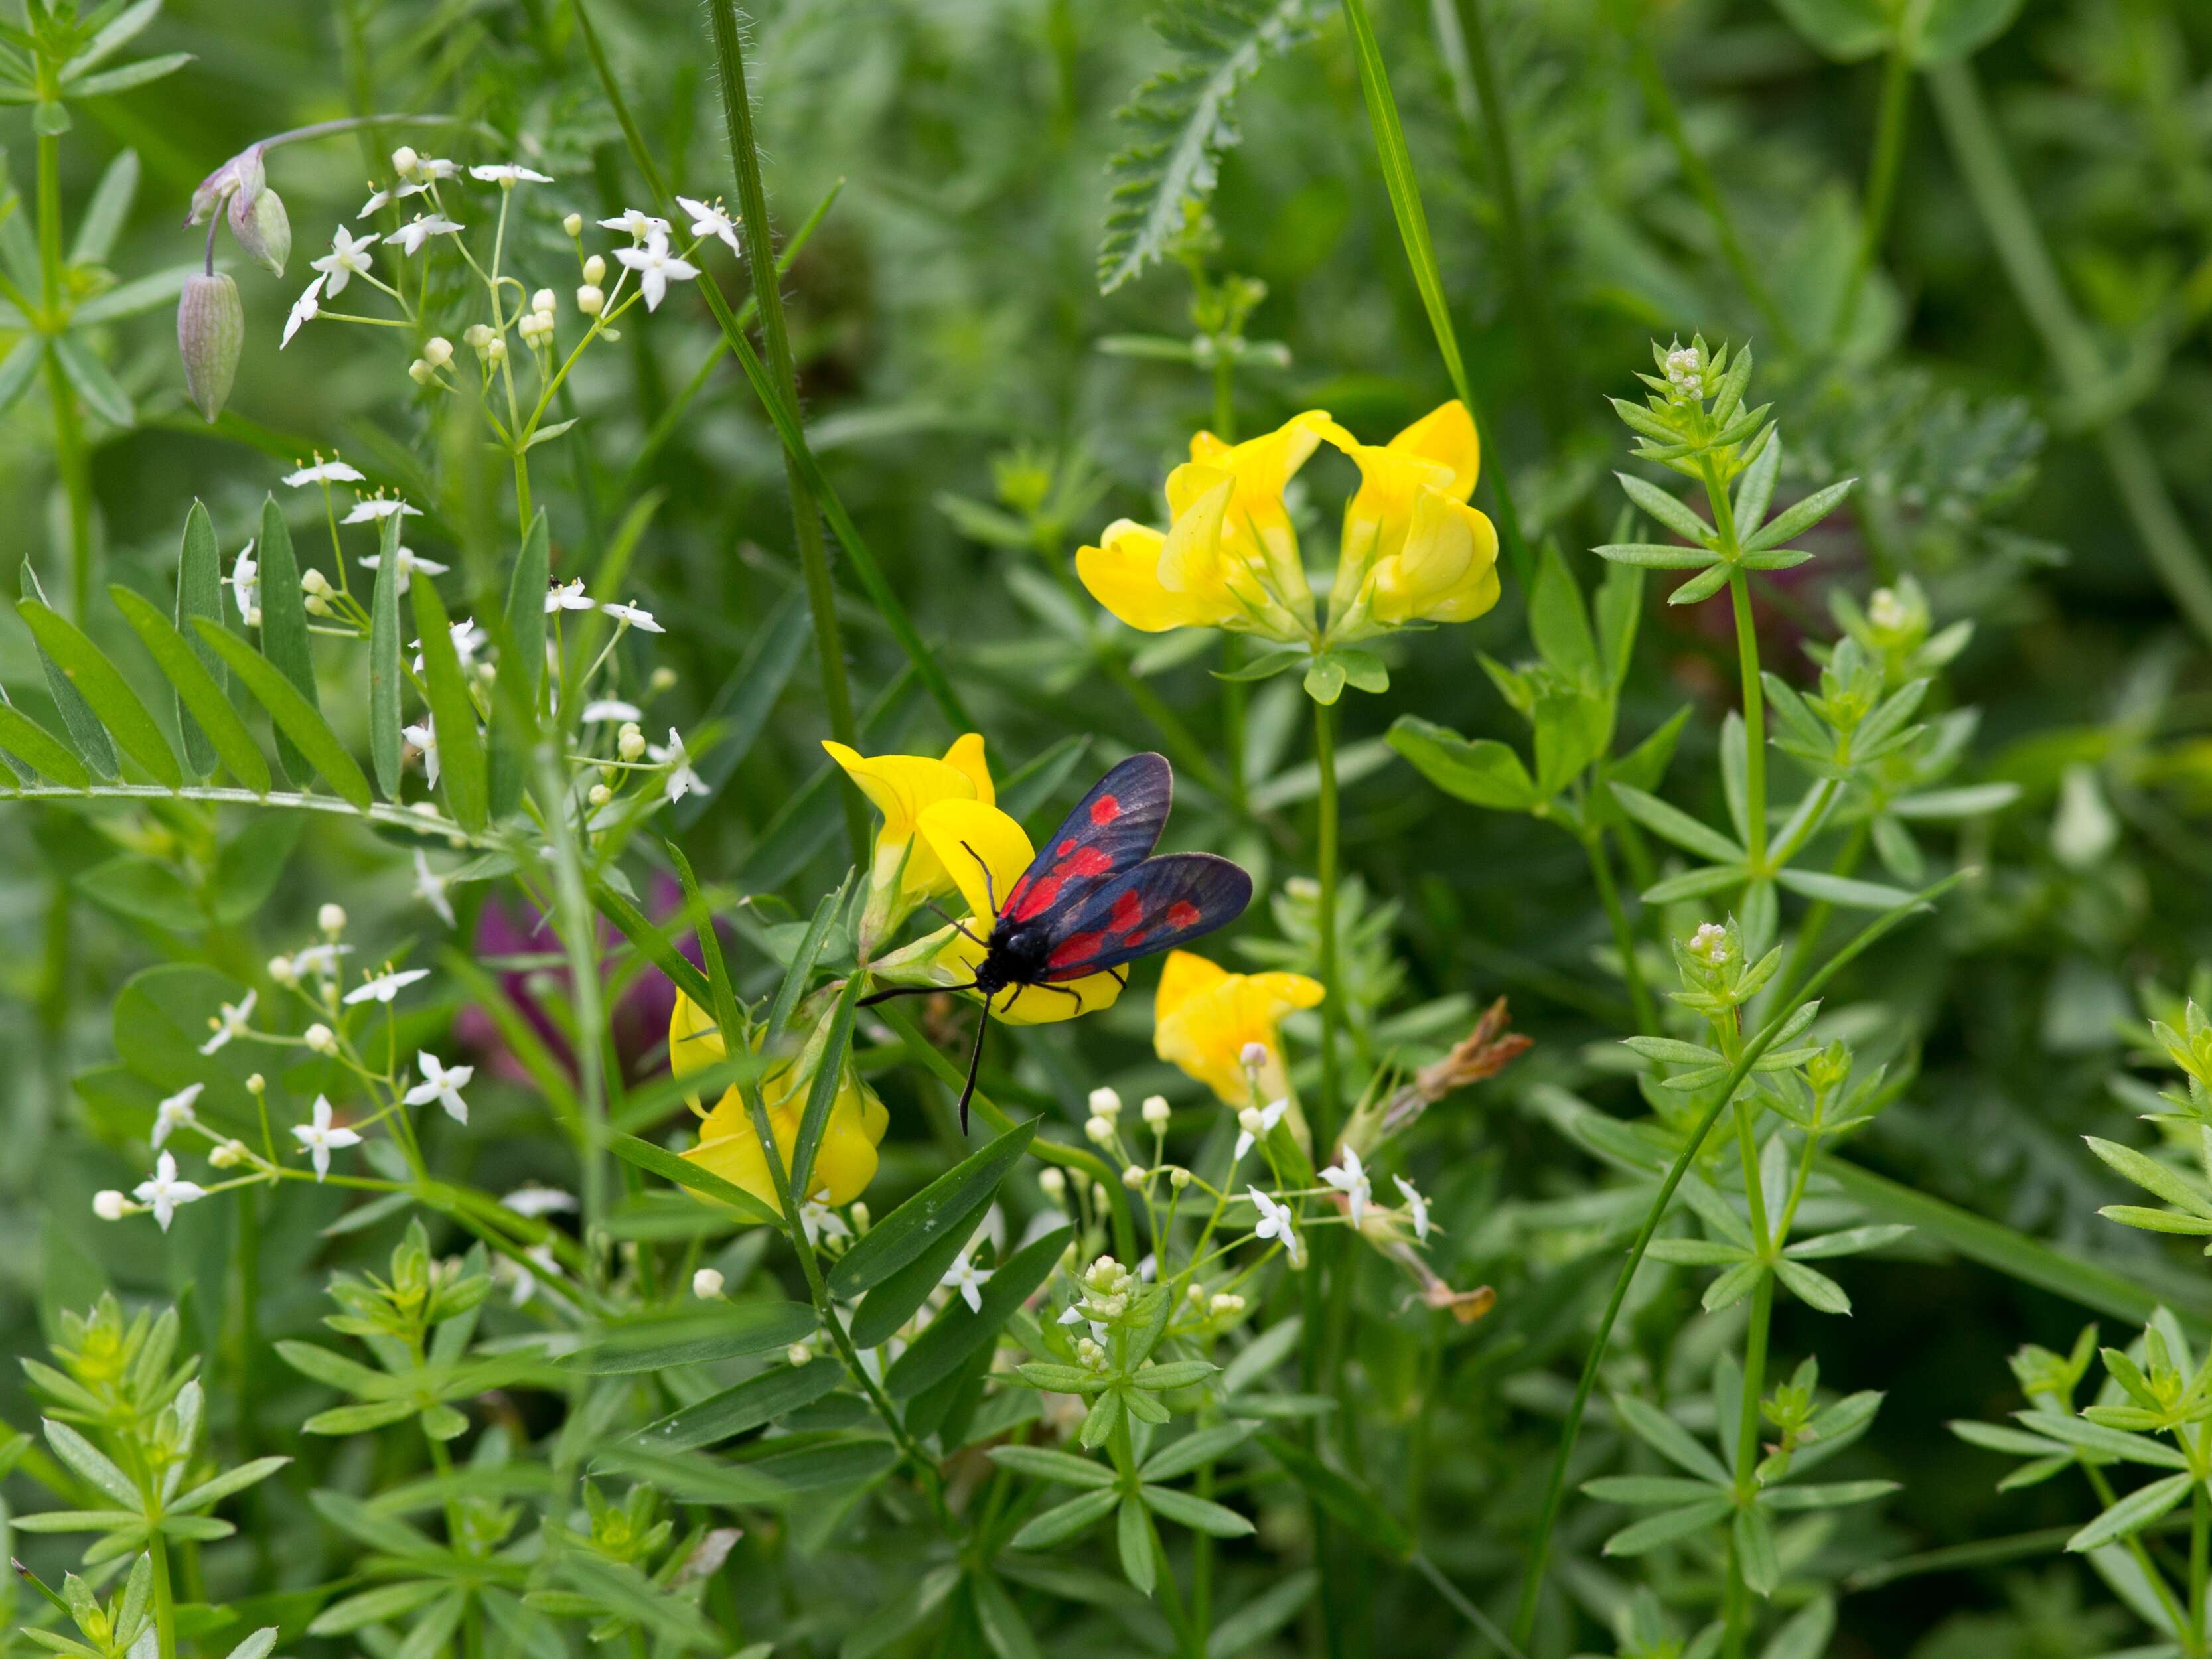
point(211, 335)
point(263, 230)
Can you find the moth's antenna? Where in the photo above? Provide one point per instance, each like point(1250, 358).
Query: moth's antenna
point(974, 1067)
point(960, 928)
point(988, 894)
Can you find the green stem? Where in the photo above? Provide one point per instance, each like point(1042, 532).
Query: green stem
point(2106, 1498)
point(1755, 725)
point(2200, 1557)
point(1881, 183)
point(165, 1600)
point(1332, 1002)
point(71, 459)
point(1624, 936)
point(579, 934)
point(1182, 747)
point(1788, 997)
point(1403, 184)
point(1815, 923)
point(776, 343)
point(1997, 195)
point(1738, 1613)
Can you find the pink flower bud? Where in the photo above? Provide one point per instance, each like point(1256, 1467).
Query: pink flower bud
point(211, 334)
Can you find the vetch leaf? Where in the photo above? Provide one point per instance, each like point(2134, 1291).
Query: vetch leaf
point(204, 714)
point(460, 746)
point(385, 740)
point(104, 690)
point(284, 643)
point(299, 722)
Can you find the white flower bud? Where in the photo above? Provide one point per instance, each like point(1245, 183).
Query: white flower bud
point(799, 1353)
point(663, 678)
point(331, 918)
point(253, 617)
point(109, 1205)
point(1178, 1177)
point(573, 224)
point(707, 1284)
point(1156, 1111)
point(1248, 1122)
point(257, 1085)
point(544, 301)
point(1133, 1176)
point(1092, 1357)
point(281, 969)
point(590, 301)
point(496, 351)
point(437, 351)
point(629, 742)
point(317, 605)
point(1099, 1130)
point(478, 337)
point(1254, 1055)
point(859, 1212)
point(312, 580)
point(419, 372)
point(228, 1156)
point(1227, 1302)
point(601, 795)
point(404, 160)
point(1105, 1104)
point(321, 1039)
point(595, 269)
point(1196, 1293)
point(1053, 1183)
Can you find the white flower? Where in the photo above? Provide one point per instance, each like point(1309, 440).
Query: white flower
point(429, 169)
point(1257, 1122)
point(425, 737)
point(378, 507)
point(1416, 1206)
point(175, 1110)
point(442, 1083)
point(966, 1278)
point(419, 229)
point(639, 223)
point(633, 616)
point(1351, 1178)
point(333, 471)
point(410, 562)
point(822, 1222)
point(682, 779)
point(567, 596)
point(609, 708)
point(319, 1138)
point(320, 960)
point(707, 1284)
point(523, 1279)
point(1275, 1222)
point(1710, 942)
point(535, 1200)
point(384, 986)
point(507, 175)
point(348, 258)
point(230, 1022)
point(468, 639)
point(304, 309)
point(161, 1192)
point(382, 199)
point(656, 267)
point(430, 888)
point(711, 219)
point(245, 583)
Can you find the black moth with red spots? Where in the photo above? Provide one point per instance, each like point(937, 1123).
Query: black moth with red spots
point(1095, 897)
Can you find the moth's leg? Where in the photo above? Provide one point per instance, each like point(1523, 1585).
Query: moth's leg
point(1064, 990)
point(1014, 998)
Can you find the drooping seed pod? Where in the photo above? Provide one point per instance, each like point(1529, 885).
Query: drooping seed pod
point(211, 335)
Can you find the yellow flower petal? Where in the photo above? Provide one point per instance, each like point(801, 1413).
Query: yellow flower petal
point(1446, 434)
point(1203, 1017)
point(985, 850)
point(905, 871)
point(1436, 454)
point(966, 756)
point(1123, 575)
point(1447, 570)
point(1257, 532)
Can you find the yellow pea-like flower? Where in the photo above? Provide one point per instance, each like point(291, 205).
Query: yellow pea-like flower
point(1204, 1017)
point(1412, 550)
point(844, 1162)
point(904, 872)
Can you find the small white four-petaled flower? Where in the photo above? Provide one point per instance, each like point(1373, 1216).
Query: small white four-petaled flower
point(321, 1137)
point(656, 267)
point(348, 258)
point(612, 709)
point(633, 616)
point(1258, 1123)
point(1275, 1222)
point(161, 1192)
point(1416, 1207)
point(385, 986)
point(965, 1277)
point(507, 175)
point(637, 222)
point(378, 509)
point(1350, 1177)
point(304, 309)
point(468, 639)
point(174, 1111)
point(245, 583)
point(425, 737)
point(712, 219)
point(822, 1222)
point(443, 1084)
point(682, 779)
point(419, 229)
point(410, 562)
point(568, 596)
point(430, 888)
point(333, 471)
point(230, 1022)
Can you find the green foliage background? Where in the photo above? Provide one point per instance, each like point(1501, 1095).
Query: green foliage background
point(948, 311)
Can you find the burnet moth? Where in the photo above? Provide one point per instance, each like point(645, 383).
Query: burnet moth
point(1094, 898)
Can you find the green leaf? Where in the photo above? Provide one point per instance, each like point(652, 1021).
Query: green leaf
point(958, 1331)
point(1133, 1535)
point(299, 723)
point(694, 1477)
point(359, 1420)
point(284, 636)
point(461, 745)
point(199, 594)
point(380, 1606)
point(1064, 1467)
point(685, 1173)
point(104, 690)
point(1186, 1509)
point(108, 83)
point(1849, 1242)
point(821, 1092)
point(19, 368)
point(1668, 1438)
point(1483, 772)
point(2153, 1177)
point(732, 1331)
point(1671, 511)
point(348, 1376)
point(1841, 890)
point(87, 735)
point(103, 393)
point(1755, 1552)
point(1834, 1495)
point(105, 213)
point(204, 714)
point(1813, 1288)
point(1666, 1528)
point(1952, 29)
point(1672, 823)
point(1345, 1500)
point(1558, 623)
point(140, 890)
point(513, 708)
point(1655, 555)
point(1324, 679)
point(733, 1412)
point(1800, 515)
point(40, 749)
point(2097, 1438)
point(1647, 1491)
point(384, 673)
point(892, 1302)
point(909, 1229)
point(2132, 1513)
point(1180, 121)
point(230, 1481)
point(1063, 1520)
point(1846, 30)
point(91, 1463)
point(1699, 589)
point(1187, 1454)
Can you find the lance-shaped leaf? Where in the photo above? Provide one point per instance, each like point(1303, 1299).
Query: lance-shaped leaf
point(959, 1331)
point(385, 740)
point(284, 642)
point(300, 724)
point(199, 594)
point(203, 710)
point(104, 690)
point(461, 764)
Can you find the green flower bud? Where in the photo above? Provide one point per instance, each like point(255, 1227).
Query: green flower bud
point(211, 334)
point(263, 230)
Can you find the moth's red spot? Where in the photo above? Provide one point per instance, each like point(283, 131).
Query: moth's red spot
point(1105, 809)
point(1133, 941)
point(1084, 861)
point(1063, 849)
point(1076, 947)
point(1028, 901)
point(1128, 911)
point(1182, 914)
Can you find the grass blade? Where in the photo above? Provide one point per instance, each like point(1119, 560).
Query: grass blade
point(204, 707)
point(909, 1229)
point(822, 1093)
point(104, 690)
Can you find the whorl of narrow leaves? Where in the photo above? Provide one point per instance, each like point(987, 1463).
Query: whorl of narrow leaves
point(1180, 120)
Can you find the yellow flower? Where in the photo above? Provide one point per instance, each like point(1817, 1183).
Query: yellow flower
point(987, 853)
point(1230, 557)
point(1204, 1016)
point(1413, 550)
point(904, 871)
point(844, 1162)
